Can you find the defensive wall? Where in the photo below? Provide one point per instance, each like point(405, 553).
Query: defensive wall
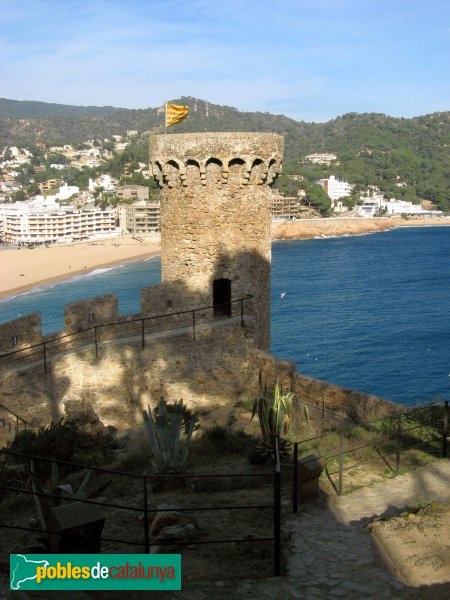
point(220, 367)
point(216, 253)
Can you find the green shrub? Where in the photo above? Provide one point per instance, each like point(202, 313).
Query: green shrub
point(60, 441)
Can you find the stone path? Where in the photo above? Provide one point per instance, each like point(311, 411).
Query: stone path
point(331, 553)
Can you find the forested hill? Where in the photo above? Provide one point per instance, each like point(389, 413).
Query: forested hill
point(30, 109)
point(372, 148)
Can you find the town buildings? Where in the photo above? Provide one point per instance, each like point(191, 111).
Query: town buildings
point(377, 205)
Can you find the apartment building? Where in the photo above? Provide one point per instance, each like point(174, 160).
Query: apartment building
point(287, 208)
point(336, 188)
point(132, 192)
point(26, 224)
point(140, 217)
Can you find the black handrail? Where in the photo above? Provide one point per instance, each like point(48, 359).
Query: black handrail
point(31, 351)
point(18, 418)
point(397, 435)
point(145, 510)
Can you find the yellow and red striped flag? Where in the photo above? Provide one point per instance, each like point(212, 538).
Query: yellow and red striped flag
point(175, 113)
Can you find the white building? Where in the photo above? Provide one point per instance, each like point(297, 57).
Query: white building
point(65, 191)
point(24, 223)
point(378, 205)
point(321, 158)
point(336, 188)
point(106, 182)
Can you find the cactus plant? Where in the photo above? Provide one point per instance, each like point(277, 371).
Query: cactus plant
point(170, 453)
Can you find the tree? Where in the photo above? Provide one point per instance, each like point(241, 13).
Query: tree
point(315, 196)
point(19, 196)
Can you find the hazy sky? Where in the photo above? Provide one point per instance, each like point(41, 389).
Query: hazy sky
point(309, 59)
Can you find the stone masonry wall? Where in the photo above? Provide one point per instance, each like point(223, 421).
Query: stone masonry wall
point(215, 214)
point(215, 369)
point(87, 313)
point(21, 332)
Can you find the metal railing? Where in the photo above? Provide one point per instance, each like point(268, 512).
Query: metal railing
point(17, 419)
point(146, 541)
point(398, 436)
point(139, 329)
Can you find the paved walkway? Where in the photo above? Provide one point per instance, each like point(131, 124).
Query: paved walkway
point(331, 553)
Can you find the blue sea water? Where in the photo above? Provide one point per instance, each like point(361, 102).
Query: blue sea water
point(369, 312)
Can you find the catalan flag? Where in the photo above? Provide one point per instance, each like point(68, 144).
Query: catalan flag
point(175, 113)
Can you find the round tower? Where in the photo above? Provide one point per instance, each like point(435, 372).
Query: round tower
point(215, 217)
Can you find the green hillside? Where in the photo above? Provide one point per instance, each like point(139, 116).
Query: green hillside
point(371, 148)
point(29, 109)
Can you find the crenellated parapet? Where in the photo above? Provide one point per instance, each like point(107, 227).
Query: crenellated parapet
point(216, 159)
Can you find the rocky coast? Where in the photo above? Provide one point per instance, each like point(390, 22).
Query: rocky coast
point(314, 228)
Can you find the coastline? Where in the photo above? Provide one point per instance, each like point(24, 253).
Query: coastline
point(316, 228)
point(22, 270)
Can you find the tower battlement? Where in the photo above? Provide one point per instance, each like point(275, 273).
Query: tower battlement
point(216, 159)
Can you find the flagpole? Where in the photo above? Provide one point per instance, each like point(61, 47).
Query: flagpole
point(165, 117)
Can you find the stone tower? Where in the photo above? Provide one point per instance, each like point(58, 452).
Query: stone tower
point(215, 217)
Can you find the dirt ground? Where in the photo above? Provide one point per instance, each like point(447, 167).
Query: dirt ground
point(416, 544)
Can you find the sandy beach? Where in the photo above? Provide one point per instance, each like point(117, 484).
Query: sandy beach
point(23, 269)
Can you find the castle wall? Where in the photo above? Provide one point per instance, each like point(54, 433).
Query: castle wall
point(219, 368)
point(213, 370)
point(20, 333)
point(91, 312)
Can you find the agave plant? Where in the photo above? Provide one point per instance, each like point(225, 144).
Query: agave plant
point(170, 453)
point(274, 418)
point(63, 490)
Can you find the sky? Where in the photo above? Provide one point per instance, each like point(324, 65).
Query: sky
point(311, 60)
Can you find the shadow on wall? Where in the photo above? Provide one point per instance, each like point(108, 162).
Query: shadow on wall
point(219, 367)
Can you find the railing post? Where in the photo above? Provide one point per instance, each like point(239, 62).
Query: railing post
point(295, 480)
point(45, 357)
point(445, 430)
point(242, 313)
point(143, 333)
point(193, 325)
point(96, 342)
point(341, 462)
point(146, 536)
point(277, 512)
point(399, 443)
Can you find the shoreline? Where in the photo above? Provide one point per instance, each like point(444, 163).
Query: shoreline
point(331, 227)
point(69, 275)
point(24, 269)
point(43, 266)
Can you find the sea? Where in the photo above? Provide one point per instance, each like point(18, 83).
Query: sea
point(369, 312)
